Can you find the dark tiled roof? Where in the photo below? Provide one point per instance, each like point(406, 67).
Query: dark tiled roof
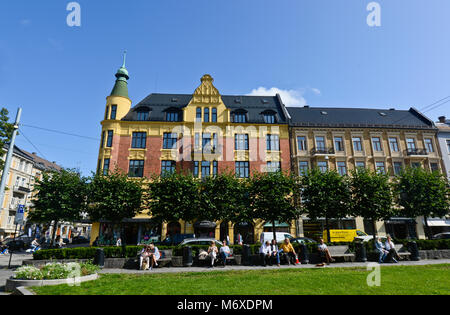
point(358, 117)
point(38, 161)
point(253, 105)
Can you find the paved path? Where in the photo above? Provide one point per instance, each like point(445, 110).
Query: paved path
point(205, 269)
point(6, 273)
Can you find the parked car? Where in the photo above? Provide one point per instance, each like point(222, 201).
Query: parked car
point(175, 239)
point(23, 240)
point(303, 240)
point(80, 240)
point(16, 245)
point(346, 236)
point(268, 236)
point(199, 241)
point(442, 236)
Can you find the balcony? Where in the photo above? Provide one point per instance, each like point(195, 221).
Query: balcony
point(419, 152)
point(322, 151)
point(21, 189)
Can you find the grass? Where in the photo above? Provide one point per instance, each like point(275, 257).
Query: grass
point(410, 280)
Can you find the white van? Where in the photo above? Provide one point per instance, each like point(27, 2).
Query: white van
point(268, 236)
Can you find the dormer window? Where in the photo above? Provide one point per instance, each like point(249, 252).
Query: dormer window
point(143, 113)
point(240, 116)
point(269, 117)
point(173, 115)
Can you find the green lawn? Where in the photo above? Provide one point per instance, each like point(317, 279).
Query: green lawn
point(432, 279)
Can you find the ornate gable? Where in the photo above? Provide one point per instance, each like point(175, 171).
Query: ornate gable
point(206, 93)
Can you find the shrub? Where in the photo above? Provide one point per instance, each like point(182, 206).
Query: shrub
point(55, 271)
point(27, 273)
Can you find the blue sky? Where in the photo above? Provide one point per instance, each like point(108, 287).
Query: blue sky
point(320, 53)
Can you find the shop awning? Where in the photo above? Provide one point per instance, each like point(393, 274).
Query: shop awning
point(438, 222)
point(277, 224)
point(204, 224)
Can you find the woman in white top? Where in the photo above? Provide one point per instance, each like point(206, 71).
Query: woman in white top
point(154, 255)
point(390, 247)
point(145, 254)
point(212, 252)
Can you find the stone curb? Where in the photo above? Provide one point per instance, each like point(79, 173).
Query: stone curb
point(12, 284)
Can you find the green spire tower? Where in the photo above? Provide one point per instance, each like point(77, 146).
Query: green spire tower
point(121, 86)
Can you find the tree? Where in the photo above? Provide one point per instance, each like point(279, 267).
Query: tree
point(272, 197)
point(114, 197)
point(325, 194)
point(60, 196)
point(421, 193)
point(6, 130)
point(173, 197)
point(224, 197)
point(371, 196)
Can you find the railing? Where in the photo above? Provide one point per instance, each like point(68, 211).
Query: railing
point(19, 188)
point(316, 151)
point(416, 152)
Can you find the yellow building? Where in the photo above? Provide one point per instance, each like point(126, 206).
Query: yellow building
point(343, 139)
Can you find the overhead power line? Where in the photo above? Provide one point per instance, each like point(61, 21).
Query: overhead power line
point(61, 132)
point(26, 138)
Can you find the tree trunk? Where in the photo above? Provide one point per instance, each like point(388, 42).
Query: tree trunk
point(122, 238)
point(273, 230)
point(55, 226)
point(328, 230)
point(374, 225)
point(427, 228)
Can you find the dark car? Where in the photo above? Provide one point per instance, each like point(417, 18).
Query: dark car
point(442, 236)
point(174, 240)
point(303, 240)
point(15, 245)
point(80, 240)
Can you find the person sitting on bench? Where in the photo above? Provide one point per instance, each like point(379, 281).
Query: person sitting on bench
point(224, 252)
point(381, 251)
point(144, 261)
point(288, 251)
point(154, 255)
point(212, 253)
point(324, 253)
point(275, 254)
point(265, 253)
point(392, 252)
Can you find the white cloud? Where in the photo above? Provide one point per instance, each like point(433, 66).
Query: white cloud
point(316, 91)
point(25, 22)
point(289, 97)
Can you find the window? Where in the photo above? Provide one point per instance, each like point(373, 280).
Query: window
point(434, 167)
point(242, 169)
point(380, 167)
point(376, 143)
point(320, 143)
point(416, 164)
point(241, 141)
point(342, 168)
point(338, 144)
point(107, 112)
point(269, 118)
point(196, 169)
point(197, 141)
point(303, 168)
point(323, 166)
point(206, 115)
point(273, 167)
point(301, 143)
point(214, 115)
point(357, 144)
point(393, 144)
point(398, 166)
point(215, 168)
point(198, 117)
point(167, 167)
point(106, 166)
point(239, 117)
point(169, 140)
point(273, 143)
point(142, 115)
point(139, 140)
point(411, 144)
point(173, 116)
point(109, 141)
point(429, 145)
point(360, 164)
point(99, 164)
point(136, 168)
point(102, 144)
point(448, 146)
point(206, 167)
point(113, 111)
point(206, 142)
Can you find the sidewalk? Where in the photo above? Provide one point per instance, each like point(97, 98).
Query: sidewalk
point(219, 268)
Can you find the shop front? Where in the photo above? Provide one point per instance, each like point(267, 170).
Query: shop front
point(205, 229)
point(401, 228)
point(438, 225)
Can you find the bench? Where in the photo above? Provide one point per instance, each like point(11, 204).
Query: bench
point(164, 260)
point(402, 251)
point(341, 251)
point(203, 260)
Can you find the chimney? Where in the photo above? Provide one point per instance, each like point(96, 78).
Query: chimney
point(442, 119)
